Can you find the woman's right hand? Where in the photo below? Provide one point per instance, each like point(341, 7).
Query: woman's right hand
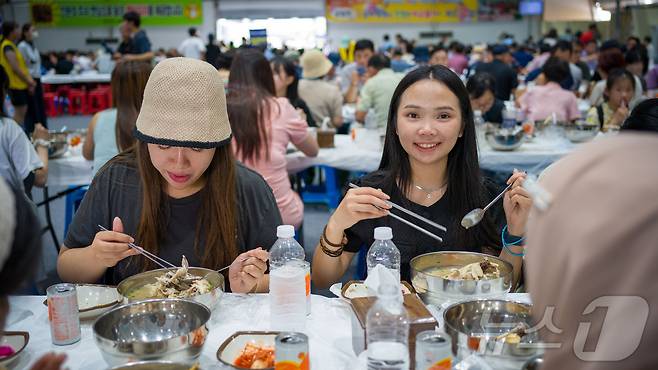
point(360, 204)
point(110, 247)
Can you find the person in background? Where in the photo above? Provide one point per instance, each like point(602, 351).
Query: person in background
point(439, 57)
point(652, 81)
point(563, 50)
point(651, 50)
point(576, 60)
point(610, 59)
point(21, 84)
point(36, 110)
point(192, 47)
point(126, 46)
point(398, 64)
point(457, 61)
point(224, 62)
point(378, 90)
point(353, 76)
point(263, 126)
point(21, 164)
point(65, 64)
point(544, 100)
point(506, 78)
point(481, 87)
point(614, 109)
point(538, 61)
point(286, 84)
point(386, 46)
point(590, 55)
point(635, 65)
point(590, 290)
point(522, 56)
point(111, 131)
point(141, 44)
point(323, 98)
point(20, 249)
point(212, 50)
point(644, 117)
point(591, 35)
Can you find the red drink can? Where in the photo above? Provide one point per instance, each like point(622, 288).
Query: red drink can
point(63, 314)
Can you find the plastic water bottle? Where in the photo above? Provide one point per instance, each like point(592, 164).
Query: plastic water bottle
point(384, 252)
point(387, 331)
point(509, 116)
point(290, 282)
point(478, 119)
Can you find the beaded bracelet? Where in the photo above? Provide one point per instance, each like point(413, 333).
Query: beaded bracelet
point(507, 245)
point(324, 242)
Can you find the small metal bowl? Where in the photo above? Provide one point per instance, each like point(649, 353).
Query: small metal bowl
point(210, 299)
point(534, 363)
point(58, 144)
point(580, 132)
point(153, 365)
point(505, 139)
point(158, 329)
point(436, 290)
point(474, 325)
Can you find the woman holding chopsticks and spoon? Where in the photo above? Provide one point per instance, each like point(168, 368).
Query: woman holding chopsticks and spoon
point(429, 167)
point(178, 192)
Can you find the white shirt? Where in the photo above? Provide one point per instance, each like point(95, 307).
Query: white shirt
point(17, 155)
point(192, 47)
point(32, 58)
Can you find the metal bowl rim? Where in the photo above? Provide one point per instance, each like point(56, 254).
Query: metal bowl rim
point(164, 270)
point(445, 312)
point(498, 259)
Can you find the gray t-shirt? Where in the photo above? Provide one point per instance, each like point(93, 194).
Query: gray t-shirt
point(116, 192)
point(17, 155)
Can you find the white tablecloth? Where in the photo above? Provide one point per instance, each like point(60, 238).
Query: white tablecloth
point(81, 78)
point(70, 169)
point(328, 326)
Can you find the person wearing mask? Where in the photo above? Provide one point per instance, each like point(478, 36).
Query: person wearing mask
point(430, 166)
point(481, 87)
point(614, 109)
point(21, 84)
point(439, 57)
point(192, 47)
point(499, 68)
point(286, 84)
point(212, 50)
point(36, 110)
point(378, 90)
point(458, 61)
point(111, 131)
point(323, 98)
point(603, 196)
point(141, 50)
point(544, 100)
point(178, 191)
point(263, 126)
point(353, 76)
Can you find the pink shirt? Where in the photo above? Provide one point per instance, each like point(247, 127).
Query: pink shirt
point(285, 126)
point(458, 62)
point(540, 102)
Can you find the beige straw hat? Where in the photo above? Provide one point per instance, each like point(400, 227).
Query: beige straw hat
point(184, 105)
point(315, 64)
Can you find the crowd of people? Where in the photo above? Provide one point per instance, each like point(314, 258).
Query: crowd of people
point(191, 158)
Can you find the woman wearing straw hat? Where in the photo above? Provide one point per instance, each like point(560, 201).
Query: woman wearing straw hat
point(178, 191)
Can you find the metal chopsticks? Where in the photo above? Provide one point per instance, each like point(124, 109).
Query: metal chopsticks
point(147, 254)
point(413, 214)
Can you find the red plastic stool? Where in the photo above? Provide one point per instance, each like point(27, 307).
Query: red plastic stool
point(64, 91)
point(78, 102)
point(98, 101)
point(50, 104)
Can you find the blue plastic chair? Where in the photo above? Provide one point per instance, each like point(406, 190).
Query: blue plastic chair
point(326, 193)
point(73, 201)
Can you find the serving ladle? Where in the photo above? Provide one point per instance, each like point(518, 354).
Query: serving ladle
point(474, 217)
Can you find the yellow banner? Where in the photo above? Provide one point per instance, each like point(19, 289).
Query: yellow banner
point(402, 11)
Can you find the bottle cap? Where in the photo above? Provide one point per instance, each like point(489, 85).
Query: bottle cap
point(285, 231)
point(383, 233)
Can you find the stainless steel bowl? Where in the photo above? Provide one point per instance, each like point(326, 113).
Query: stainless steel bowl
point(580, 132)
point(153, 365)
point(474, 325)
point(505, 139)
point(210, 299)
point(534, 363)
point(59, 144)
point(436, 290)
point(158, 329)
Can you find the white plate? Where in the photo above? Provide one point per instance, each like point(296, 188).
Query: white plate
point(16, 340)
point(95, 299)
point(229, 351)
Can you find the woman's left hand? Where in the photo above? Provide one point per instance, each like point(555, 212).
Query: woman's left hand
point(517, 204)
point(247, 269)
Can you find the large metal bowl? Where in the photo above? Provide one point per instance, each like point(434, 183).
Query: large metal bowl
point(59, 144)
point(436, 290)
point(474, 325)
point(153, 365)
point(505, 139)
point(580, 132)
point(158, 329)
point(210, 299)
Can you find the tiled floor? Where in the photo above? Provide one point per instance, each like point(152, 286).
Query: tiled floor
point(315, 217)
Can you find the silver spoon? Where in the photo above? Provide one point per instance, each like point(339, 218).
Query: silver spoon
point(474, 217)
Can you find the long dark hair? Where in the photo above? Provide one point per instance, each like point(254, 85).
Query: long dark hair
point(127, 84)
point(250, 93)
point(288, 67)
point(26, 27)
point(466, 189)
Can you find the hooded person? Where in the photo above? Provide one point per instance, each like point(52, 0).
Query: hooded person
point(591, 256)
point(178, 191)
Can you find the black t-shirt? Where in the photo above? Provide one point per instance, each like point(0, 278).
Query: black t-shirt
point(126, 47)
point(141, 43)
point(495, 114)
point(408, 240)
point(116, 192)
point(506, 78)
point(212, 53)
